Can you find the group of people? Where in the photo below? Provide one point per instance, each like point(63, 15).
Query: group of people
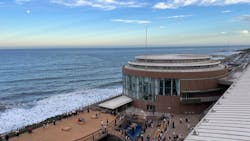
point(184, 123)
point(104, 126)
point(167, 128)
point(163, 126)
point(142, 137)
point(6, 137)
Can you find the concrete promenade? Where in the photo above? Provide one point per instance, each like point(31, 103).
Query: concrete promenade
point(68, 129)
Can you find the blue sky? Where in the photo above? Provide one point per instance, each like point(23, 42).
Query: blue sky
point(87, 23)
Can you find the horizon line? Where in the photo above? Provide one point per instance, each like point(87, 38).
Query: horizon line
point(113, 46)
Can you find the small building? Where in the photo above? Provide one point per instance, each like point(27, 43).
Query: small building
point(174, 83)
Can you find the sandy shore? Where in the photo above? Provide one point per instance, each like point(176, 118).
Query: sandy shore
point(55, 133)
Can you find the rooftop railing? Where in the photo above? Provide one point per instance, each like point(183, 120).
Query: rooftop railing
point(100, 133)
point(193, 100)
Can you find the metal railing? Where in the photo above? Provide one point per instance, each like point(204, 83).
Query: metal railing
point(193, 100)
point(100, 133)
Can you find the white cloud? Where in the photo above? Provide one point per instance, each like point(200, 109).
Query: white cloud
point(162, 5)
point(71, 3)
point(22, 1)
point(226, 11)
point(108, 1)
point(173, 4)
point(223, 32)
point(132, 21)
point(28, 11)
point(244, 32)
point(228, 2)
point(178, 16)
point(103, 4)
point(245, 18)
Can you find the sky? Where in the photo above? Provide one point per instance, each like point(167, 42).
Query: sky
point(123, 23)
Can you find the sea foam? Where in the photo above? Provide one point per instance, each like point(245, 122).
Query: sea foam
point(15, 118)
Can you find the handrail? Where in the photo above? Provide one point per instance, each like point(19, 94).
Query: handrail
point(201, 91)
point(96, 135)
point(88, 136)
point(199, 99)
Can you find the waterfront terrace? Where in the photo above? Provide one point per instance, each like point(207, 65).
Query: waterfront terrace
point(72, 128)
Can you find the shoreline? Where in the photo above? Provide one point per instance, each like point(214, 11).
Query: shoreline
point(50, 120)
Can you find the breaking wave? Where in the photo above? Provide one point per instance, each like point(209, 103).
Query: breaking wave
point(19, 117)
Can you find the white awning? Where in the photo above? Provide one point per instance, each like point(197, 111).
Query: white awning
point(116, 102)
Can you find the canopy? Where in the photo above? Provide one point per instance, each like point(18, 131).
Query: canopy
point(116, 102)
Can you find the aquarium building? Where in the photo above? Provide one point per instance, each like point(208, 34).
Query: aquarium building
point(175, 83)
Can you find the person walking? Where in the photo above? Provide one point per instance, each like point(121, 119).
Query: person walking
point(148, 138)
point(7, 137)
point(17, 133)
point(142, 136)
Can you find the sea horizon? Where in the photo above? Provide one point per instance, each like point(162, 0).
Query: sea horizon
point(121, 47)
point(40, 83)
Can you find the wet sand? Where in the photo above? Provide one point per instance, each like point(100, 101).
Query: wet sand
point(54, 132)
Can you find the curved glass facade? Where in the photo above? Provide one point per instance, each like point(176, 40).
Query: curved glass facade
point(147, 88)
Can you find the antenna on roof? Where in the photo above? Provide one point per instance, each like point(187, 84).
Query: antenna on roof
point(146, 37)
point(146, 41)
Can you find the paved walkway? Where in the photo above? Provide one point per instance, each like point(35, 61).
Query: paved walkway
point(75, 129)
point(162, 128)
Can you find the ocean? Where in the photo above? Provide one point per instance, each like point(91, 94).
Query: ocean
point(36, 84)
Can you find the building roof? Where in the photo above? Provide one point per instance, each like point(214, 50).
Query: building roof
point(191, 64)
point(147, 69)
point(229, 118)
point(172, 57)
point(175, 62)
point(116, 102)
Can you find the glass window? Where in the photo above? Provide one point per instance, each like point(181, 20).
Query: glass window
point(140, 87)
point(123, 83)
point(177, 82)
point(149, 94)
point(161, 87)
point(150, 108)
point(174, 88)
point(167, 86)
point(133, 81)
point(145, 86)
point(152, 89)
